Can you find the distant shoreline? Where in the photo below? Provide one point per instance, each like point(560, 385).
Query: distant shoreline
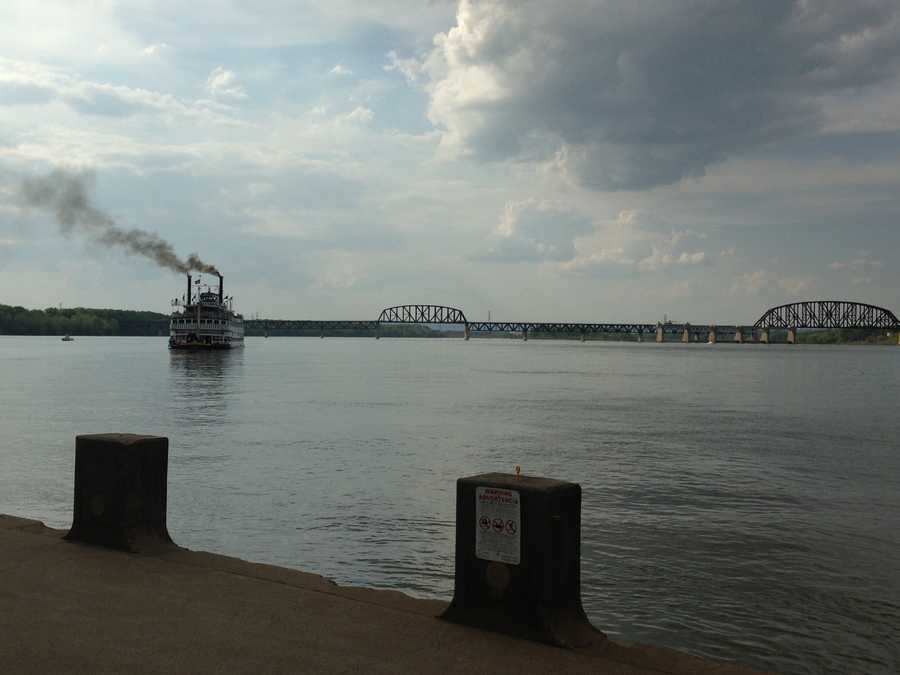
point(86, 321)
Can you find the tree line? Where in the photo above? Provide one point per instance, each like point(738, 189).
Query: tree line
point(838, 336)
point(15, 320)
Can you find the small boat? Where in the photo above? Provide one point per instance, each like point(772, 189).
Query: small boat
point(68, 338)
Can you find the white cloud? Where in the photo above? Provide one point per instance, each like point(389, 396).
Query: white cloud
point(224, 83)
point(624, 245)
point(859, 263)
point(627, 217)
point(797, 286)
point(154, 50)
point(660, 259)
point(411, 69)
point(338, 270)
point(340, 70)
point(534, 231)
point(360, 115)
point(29, 83)
point(751, 283)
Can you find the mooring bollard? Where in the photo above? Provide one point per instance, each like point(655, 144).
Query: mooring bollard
point(120, 491)
point(518, 559)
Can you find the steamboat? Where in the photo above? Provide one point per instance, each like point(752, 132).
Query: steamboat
point(205, 319)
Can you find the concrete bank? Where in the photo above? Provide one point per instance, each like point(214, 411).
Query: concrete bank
point(75, 608)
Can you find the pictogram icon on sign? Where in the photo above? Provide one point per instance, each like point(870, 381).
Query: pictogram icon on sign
point(499, 518)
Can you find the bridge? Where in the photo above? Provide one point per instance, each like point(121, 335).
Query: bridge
point(789, 318)
point(828, 314)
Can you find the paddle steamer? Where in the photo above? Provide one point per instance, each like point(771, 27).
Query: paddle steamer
point(205, 319)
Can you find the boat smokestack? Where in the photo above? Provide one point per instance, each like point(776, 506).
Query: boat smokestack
point(188, 296)
point(221, 283)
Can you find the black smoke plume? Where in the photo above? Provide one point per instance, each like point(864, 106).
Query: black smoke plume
point(65, 194)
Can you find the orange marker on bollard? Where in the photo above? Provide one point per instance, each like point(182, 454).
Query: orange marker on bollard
point(518, 471)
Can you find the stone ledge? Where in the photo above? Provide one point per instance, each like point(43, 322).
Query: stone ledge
point(88, 609)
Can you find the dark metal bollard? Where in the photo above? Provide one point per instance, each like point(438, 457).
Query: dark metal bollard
point(120, 491)
point(518, 559)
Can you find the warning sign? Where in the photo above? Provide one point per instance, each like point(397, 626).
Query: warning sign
point(498, 535)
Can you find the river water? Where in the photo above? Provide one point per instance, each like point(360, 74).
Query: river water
point(739, 502)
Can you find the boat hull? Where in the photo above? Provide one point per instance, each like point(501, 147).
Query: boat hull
point(204, 346)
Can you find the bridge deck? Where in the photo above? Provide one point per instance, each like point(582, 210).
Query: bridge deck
point(256, 325)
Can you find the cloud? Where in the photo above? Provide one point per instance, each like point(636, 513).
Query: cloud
point(339, 271)
point(223, 83)
point(636, 95)
point(360, 115)
point(625, 245)
point(727, 252)
point(751, 283)
point(627, 217)
point(411, 69)
point(27, 83)
point(660, 259)
point(536, 231)
point(861, 262)
point(155, 50)
point(340, 70)
point(797, 286)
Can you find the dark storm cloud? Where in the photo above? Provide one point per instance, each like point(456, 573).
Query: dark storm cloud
point(630, 95)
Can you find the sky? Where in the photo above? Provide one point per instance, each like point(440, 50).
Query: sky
point(587, 160)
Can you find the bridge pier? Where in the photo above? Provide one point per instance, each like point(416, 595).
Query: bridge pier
point(712, 335)
point(583, 337)
point(792, 336)
point(466, 331)
point(764, 336)
point(525, 333)
point(686, 333)
point(660, 334)
point(739, 335)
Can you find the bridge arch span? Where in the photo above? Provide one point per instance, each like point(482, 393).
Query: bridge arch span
point(828, 314)
point(422, 314)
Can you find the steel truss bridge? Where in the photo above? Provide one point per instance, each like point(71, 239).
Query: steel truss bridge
point(828, 314)
point(824, 314)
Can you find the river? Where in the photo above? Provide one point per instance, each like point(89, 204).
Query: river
point(740, 501)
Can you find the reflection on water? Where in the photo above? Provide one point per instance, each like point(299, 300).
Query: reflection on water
point(738, 502)
point(201, 382)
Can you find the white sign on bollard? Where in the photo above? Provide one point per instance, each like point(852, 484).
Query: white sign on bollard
point(498, 527)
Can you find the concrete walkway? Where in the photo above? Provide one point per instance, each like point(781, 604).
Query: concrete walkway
point(73, 608)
